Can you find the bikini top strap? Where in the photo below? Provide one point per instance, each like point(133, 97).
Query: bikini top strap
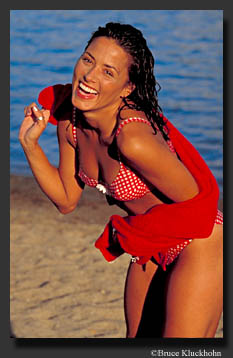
point(74, 128)
point(74, 131)
point(129, 120)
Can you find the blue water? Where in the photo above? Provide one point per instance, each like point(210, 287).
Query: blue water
point(188, 50)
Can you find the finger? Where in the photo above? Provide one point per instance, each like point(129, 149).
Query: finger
point(38, 114)
point(27, 111)
point(46, 114)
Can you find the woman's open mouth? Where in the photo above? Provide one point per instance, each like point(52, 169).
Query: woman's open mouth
point(86, 92)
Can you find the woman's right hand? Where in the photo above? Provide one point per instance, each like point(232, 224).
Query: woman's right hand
point(33, 125)
point(59, 184)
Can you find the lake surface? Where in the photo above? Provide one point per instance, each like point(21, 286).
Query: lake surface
point(188, 50)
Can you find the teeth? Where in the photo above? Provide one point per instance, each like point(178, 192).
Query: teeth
point(87, 89)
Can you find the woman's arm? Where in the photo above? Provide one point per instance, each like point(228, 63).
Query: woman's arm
point(150, 156)
point(59, 184)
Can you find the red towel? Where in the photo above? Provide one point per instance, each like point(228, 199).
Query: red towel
point(164, 226)
point(57, 99)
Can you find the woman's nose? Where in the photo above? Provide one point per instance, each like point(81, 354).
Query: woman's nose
point(90, 75)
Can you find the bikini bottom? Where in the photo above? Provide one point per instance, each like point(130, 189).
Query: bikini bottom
point(173, 252)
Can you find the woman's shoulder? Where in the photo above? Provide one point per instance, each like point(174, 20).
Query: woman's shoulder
point(138, 122)
point(132, 131)
point(131, 112)
point(57, 99)
point(135, 132)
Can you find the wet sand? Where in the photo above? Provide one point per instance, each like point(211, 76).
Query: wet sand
point(61, 286)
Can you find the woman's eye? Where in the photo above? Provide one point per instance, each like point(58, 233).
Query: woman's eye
point(87, 60)
point(109, 73)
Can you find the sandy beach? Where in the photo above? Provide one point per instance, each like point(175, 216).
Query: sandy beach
point(61, 286)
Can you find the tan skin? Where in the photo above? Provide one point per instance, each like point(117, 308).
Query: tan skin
point(194, 285)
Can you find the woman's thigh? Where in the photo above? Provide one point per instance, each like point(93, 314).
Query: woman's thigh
point(136, 288)
point(194, 289)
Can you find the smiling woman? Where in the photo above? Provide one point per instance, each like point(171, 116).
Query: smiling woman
point(113, 136)
point(101, 79)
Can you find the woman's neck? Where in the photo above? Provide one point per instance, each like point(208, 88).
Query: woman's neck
point(102, 123)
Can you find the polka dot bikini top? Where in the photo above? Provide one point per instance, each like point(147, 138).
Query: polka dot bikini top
point(127, 185)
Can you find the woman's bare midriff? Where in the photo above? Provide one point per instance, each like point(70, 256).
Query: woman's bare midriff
point(140, 206)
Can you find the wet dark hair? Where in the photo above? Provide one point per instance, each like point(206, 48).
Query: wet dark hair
point(141, 71)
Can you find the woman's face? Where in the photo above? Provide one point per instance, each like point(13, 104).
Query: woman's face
point(101, 77)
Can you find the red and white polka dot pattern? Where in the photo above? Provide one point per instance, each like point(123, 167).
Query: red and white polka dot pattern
point(127, 185)
point(170, 145)
point(74, 129)
point(89, 181)
point(173, 252)
point(219, 218)
point(129, 120)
